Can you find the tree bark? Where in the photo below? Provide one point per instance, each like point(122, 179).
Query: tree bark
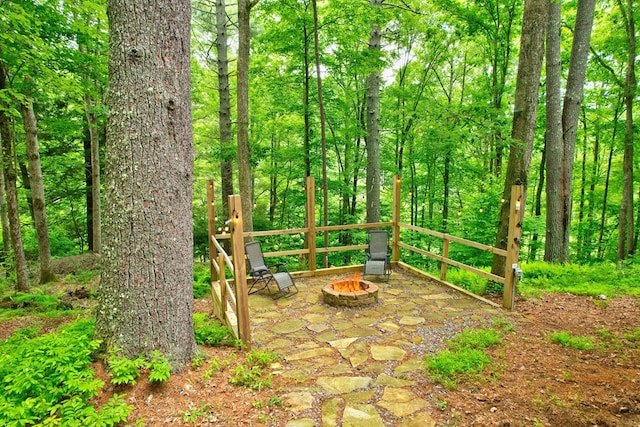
point(37, 189)
point(373, 123)
point(9, 171)
point(146, 287)
point(323, 139)
point(625, 232)
point(524, 114)
point(244, 164)
point(4, 217)
point(571, 112)
point(553, 136)
point(92, 124)
point(224, 114)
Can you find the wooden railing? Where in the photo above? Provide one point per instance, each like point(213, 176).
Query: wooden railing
point(232, 310)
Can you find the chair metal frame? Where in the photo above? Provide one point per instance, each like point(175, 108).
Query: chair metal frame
point(264, 275)
point(377, 252)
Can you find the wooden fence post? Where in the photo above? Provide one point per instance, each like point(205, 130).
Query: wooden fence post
point(311, 222)
point(445, 254)
point(516, 212)
point(240, 270)
point(395, 233)
point(211, 227)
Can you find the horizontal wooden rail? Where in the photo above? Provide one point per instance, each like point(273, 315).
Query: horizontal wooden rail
point(454, 263)
point(456, 239)
point(320, 229)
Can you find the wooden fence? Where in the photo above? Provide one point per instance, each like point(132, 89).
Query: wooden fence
point(230, 297)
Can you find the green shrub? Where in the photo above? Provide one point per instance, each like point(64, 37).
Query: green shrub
point(48, 379)
point(201, 281)
point(598, 279)
point(210, 332)
point(159, 367)
point(122, 369)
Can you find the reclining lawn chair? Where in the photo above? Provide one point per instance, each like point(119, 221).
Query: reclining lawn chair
point(263, 276)
point(378, 259)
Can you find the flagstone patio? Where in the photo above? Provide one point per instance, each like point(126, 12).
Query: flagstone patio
point(362, 366)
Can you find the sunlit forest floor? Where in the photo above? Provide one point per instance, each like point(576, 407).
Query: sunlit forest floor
point(568, 361)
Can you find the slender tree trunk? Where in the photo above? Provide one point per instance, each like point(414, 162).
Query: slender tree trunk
point(626, 233)
point(37, 190)
point(92, 124)
point(88, 189)
point(4, 217)
point(307, 111)
point(373, 123)
point(590, 229)
point(553, 137)
point(146, 287)
point(323, 140)
point(224, 114)
point(244, 155)
point(583, 183)
point(9, 170)
point(524, 114)
point(571, 112)
point(538, 204)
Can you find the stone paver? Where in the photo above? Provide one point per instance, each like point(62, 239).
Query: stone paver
point(367, 360)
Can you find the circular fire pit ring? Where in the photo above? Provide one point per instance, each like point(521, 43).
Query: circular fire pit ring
point(368, 295)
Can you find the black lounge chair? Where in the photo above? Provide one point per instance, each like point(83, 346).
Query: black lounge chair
point(263, 276)
point(378, 259)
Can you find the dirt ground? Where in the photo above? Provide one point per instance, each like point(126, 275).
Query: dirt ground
point(532, 381)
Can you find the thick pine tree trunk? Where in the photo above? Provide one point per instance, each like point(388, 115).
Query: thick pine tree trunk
point(37, 190)
point(146, 288)
point(524, 114)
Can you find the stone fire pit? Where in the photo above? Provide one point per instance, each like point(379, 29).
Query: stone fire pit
point(366, 295)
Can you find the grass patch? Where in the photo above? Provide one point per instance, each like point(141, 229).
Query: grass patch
point(566, 339)
point(465, 355)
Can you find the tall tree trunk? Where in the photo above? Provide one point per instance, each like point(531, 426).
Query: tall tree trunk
point(373, 122)
point(571, 112)
point(524, 114)
point(583, 184)
point(4, 216)
point(553, 136)
point(146, 287)
point(37, 189)
point(305, 101)
point(88, 194)
point(9, 171)
point(533, 251)
point(224, 114)
point(625, 233)
point(323, 139)
point(244, 155)
point(92, 124)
